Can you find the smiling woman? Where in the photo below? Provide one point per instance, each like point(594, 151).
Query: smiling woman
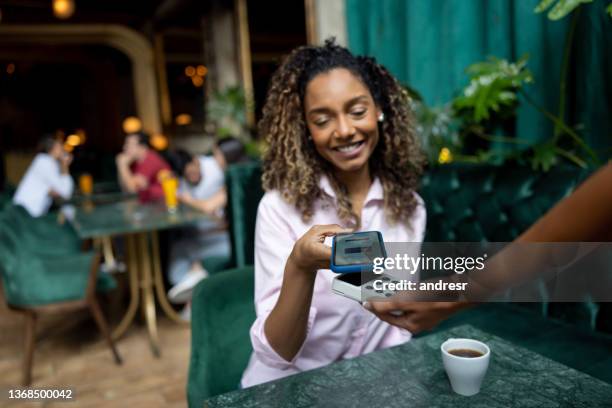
point(322, 104)
point(341, 156)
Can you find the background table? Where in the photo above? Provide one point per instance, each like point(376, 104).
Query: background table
point(139, 223)
point(412, 375)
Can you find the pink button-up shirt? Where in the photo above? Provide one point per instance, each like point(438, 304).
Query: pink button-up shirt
point(338, 328)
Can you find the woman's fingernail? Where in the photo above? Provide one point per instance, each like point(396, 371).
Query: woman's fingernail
point(367, 305)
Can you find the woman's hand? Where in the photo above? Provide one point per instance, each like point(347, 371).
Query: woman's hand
point(414, 316)
point(310, 252)
point(285, 327)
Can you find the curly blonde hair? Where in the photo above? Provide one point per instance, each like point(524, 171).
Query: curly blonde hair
point(292, 165)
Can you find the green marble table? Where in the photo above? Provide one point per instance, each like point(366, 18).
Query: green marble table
point(93, 220)
point(412, 375)
point(139, 223)
point(100, 197)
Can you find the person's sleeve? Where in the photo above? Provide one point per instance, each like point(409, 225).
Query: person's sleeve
point(420, 219)
point(419, 225)
point(274, 241)
point(49, 171)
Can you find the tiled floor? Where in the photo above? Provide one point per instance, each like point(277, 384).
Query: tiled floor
point(70, 353)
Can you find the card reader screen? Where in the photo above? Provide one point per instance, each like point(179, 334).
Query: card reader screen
point(358, 279)
point(357, 249)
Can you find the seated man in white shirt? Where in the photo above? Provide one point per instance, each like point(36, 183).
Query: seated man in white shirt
point(202, 186)
point(46, 179)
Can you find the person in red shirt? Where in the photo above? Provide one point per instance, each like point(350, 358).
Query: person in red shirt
point(138, 167)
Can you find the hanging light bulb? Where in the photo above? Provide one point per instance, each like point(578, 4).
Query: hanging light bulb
point(183, 119)
point(201, 70)
point(73, 140)
point(132, 124)
point(190, 71)
point(159, 141)
point(63, 9)
point(82, 135)
point(197, 81)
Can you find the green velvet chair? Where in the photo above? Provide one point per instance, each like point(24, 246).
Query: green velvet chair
point(243, 189)
point(222, 305)
point(464, 203)
point(6, 196)
point(42, 234)
point(39, 280)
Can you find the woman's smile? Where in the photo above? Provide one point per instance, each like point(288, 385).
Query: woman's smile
point(349, 151)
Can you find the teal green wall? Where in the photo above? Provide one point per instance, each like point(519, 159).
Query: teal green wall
point(429, 43)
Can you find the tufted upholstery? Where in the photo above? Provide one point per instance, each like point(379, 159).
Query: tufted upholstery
point(222, 312)
point(244, 192)
point(474, 203)
point(243, 184)
point(470, 203)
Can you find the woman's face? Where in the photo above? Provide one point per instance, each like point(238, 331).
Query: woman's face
point(342, 119)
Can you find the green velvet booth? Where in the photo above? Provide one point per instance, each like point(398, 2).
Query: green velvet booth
point(243, 183)
point(223, 303)
point(465, 203)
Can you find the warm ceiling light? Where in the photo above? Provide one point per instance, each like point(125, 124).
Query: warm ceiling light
point(73, 140)
point(198, 81)
point(159, 141)
point(81, 134)
point(201, 70)
point(63, 8)
point(190, 71)
point(10, 68)
point(132, 124)
point(183, 119)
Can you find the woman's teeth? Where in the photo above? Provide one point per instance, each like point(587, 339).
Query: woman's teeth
point(350, 147)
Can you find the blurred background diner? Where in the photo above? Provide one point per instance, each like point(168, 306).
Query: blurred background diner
point(130, 174)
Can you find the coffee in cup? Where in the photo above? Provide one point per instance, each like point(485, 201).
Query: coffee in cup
point(466, 362)
point(469, 353)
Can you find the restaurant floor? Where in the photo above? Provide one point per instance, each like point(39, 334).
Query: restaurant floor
point(70, 353)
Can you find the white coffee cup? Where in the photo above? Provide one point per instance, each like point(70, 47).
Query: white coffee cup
point(465, 373)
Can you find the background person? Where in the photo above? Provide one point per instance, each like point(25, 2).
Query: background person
point(202, 186)
point(342, 155)
point(203, 178)
point(138, 167)
point(46, 179)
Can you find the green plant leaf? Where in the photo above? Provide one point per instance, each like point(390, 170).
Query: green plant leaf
point(564, 7)
point(492, 89)
point(544, 5)
point(609, 9)
point(571, 157)
point(226, 110)
point(544, 156)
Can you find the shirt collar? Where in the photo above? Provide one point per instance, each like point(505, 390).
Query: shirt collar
point(375, 192)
